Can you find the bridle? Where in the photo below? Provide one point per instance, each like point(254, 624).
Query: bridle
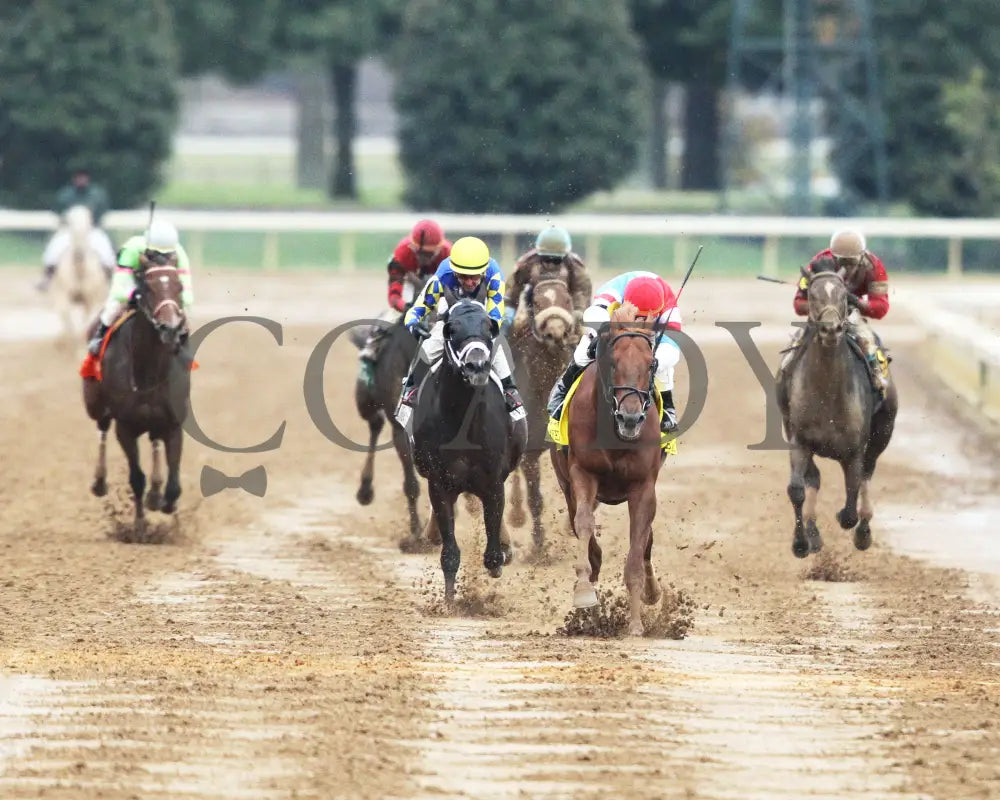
point(611, 392)
point(531, 305)
point(151, 313)
point(829, 313)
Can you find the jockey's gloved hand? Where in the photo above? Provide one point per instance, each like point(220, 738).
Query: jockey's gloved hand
point(420, 332)
point(852, 300)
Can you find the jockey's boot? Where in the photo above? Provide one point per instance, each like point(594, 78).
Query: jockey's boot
point(418, 371)
point(47, 275)
point(512, 398)
point(94, 345)
point(558, 394)
point(668, 424)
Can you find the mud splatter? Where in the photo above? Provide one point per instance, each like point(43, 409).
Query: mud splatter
point(673, 617)
point(829, 566)
point(609, 619)
point(476, 596)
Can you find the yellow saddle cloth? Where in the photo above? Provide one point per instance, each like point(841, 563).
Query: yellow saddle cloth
point(558, 429)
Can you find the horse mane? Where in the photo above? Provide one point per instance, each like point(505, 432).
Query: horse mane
point(623, 319)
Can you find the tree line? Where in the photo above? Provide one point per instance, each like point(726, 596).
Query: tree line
point(504, 105)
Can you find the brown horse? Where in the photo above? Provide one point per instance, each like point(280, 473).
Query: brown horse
point(614, 456)
point(145, 388)
point(544, 335)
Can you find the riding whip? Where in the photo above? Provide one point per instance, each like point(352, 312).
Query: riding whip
point(677, 297)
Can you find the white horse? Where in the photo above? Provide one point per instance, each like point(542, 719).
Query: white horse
point(79, 281)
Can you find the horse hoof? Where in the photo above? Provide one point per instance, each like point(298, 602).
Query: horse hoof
point(99, 487)
point(496, 572)
point(168, 508)
point(846, 520)
point(813, 537)
point(863, 535)
point(154, 501)
point(652, 594)
point(365, 494)
point(800, 547)
point(635, 629)
point(584, 597)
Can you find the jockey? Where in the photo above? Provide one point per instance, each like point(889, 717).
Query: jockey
point(656, 302)
point(80, 192)
point(469, 272)
point(160, 246)
point(419, 253)
point(866, 278)
point(551, 258)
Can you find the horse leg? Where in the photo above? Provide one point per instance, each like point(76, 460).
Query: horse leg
point(878, 440)
point(533, 478)
point(853, 468)
point(173, 444)
point(136, 478)
point(411, 486)
point(641, 510)
point(799, 458)
point(516, 514)
point(444, 514)
point(494, 558)
point(651, 589)
point(154, 497)
point(584, 487)
point(100, 485)
point(365, 492)
point(809, 506)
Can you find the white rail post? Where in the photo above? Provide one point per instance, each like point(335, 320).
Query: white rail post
point(592, 251)
point(770, 265)
point(270, 261)
point(348, 251)
point(954, 256)
point(680, 255)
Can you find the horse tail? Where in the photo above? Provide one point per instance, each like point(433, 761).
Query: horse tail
point(516, 515)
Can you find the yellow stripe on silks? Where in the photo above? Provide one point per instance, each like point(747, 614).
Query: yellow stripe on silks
point(558, 429)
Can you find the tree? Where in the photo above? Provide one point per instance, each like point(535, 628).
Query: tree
point(686, 41)
point(516, 105)
point(86, 84)
point(922, 48)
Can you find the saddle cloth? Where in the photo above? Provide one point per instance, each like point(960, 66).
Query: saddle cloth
point(558, 429)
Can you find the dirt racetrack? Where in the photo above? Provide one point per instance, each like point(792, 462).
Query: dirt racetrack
point(284, 647)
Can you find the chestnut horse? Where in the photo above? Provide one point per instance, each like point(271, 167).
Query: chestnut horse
point(145, 388)
point(614, 456)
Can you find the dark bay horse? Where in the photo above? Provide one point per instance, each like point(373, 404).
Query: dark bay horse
point(613, 457)
point(541, 349)
point(145, 388)
point(377, 402)
point(830, 409)
point(463, 438)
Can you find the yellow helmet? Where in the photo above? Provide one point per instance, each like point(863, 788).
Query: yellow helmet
point(469, 256)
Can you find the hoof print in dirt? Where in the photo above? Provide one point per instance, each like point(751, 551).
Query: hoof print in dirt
point(830, 567)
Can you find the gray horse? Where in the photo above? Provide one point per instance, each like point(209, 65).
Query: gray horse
point(830, 409)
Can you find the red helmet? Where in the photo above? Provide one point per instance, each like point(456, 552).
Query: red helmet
point(427, 233)
point(646, 294)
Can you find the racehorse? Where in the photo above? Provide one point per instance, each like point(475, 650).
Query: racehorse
point(544, 335)
point(830, 409)
point(79, 279)
point(377, 402)
point(463, 437)
point(145, 388)
point(614, 456)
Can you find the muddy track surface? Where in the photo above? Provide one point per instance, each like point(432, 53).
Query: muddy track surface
point(284, 647)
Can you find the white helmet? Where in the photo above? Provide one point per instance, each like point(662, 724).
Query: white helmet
point(162, 237)
point(848, 246)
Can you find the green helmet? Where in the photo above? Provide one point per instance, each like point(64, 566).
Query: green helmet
point(553, 242)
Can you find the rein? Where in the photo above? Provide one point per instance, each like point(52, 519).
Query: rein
point(645, 395)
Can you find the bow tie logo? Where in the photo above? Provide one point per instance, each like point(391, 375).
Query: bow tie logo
point(253, 481)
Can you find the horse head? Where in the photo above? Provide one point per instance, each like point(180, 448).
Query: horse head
point(552, 314)
point(158, 297)
point(630, 344)
point(828, 303)
point(468, 336)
